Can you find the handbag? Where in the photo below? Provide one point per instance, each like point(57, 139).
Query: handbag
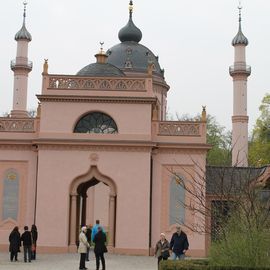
point(33, 247)
point(165, 254)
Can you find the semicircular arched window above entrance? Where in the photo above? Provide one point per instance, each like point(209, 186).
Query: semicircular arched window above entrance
point(96, 122)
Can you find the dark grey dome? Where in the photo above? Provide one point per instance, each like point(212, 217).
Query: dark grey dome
point(131, 56)
point(100, 70)
point(130, 32)
point(23, 34)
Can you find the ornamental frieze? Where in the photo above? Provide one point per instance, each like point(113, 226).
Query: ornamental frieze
point(63, 82)
point(179, 129)
point(17, 125)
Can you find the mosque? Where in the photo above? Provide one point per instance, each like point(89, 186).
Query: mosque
point(100, 147)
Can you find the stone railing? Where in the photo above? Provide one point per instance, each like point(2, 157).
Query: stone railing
point(171, 128)
point(17, 125)
point(21, 62)
point(81, 83)
point(240, 68)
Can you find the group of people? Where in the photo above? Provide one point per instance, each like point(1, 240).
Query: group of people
point(28, 240)
point(177, 247)
point(94, 235)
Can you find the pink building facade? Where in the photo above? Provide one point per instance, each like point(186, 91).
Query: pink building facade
point(100, 148)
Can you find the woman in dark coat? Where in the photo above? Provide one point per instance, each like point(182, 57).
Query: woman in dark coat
point(34, 234)
point(100, 248)
point(14, 243)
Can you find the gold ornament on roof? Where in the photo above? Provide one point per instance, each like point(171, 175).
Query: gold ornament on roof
point(130, 6)
point(204, 114)
point(101, 47)
point(45, 66)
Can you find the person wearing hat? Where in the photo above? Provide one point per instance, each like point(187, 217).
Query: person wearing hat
point(179, 244)
point(162, 248)
point(83, 247)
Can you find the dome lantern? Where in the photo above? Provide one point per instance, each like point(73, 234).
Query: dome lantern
point(130, 32)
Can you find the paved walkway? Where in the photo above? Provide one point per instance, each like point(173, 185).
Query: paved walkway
point(71, 262)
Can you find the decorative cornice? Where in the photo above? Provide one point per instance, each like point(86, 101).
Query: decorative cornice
point(21, 147)
point(97, 99)
point(182, 149)
point(103, 148)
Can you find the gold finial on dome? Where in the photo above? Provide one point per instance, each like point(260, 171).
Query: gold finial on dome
point(130, 8)
point(101, 56)
point(101, 47)
point(203, 114)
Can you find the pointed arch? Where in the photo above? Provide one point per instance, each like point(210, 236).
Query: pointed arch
point(90, 178)
point(93, 173)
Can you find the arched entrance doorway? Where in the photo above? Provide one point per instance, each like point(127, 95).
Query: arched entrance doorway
point(78, 202)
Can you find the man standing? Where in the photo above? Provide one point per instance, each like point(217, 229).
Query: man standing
point(100, 248)
point(179, 244)
point(26, 238)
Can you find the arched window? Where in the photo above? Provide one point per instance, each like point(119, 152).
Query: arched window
point(96, 122)
point(10, 195)
point(177, 201)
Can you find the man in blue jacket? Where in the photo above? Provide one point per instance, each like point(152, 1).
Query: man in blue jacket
point(179, 244)
point(95, 229)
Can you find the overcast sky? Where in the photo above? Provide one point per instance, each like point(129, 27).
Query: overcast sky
point(191, 37)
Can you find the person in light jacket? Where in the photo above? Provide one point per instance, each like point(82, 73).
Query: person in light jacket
point(82, 249)
point(162, 248)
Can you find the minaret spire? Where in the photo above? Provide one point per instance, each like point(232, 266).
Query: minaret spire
point(24, 12)
point(240, 72)
point(21, 67)
point(130, 9)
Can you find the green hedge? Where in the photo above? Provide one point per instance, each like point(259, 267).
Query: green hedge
point(200, 265)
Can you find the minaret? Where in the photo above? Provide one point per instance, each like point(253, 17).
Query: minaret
point(240, 72)
point(21, 67)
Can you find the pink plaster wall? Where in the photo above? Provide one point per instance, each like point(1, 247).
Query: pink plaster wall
point(24, 162)
point(130, 118)
point(129, 170)
point(163, 166)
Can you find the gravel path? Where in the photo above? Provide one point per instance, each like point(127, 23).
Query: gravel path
point(71, 262)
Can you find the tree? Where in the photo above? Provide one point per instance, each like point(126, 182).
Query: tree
point(220, 153)
point(217, 137)
point(259, 147)
point(228, 203)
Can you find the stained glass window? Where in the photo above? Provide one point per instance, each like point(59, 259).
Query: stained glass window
point(177, 202)
point(10, 202)
point(96, 122)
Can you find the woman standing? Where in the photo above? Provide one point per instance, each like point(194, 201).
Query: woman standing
point(83, 245)
point(162, 248)
point(14, 243)
point(34, 234)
